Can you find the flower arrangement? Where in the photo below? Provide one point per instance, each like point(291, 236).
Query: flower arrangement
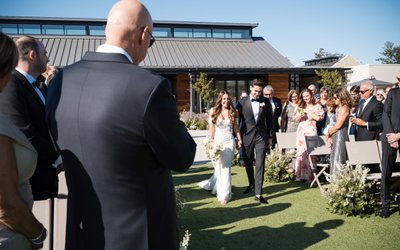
point(300, 111)
point(349, 193)
point(185, 241)
point(212, 149)
point(277, 167)
point(262, 105)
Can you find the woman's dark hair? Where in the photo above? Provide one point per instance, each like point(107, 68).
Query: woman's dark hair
point(8, 54)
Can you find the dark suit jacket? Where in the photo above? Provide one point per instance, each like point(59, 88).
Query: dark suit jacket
point(372, 114)
point(391, 113)
point(120, 133)
point(249, 126)
point(276, 115)
point(21, 104)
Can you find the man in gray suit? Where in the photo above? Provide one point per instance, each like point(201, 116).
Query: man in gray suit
point(390, 145)
point(120, 135)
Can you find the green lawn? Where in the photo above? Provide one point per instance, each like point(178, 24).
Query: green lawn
point(295, 218)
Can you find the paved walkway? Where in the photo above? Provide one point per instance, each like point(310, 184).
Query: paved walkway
point(199, 136)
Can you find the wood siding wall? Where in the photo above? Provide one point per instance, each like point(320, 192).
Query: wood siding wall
point(280, 83)
point(182, 88)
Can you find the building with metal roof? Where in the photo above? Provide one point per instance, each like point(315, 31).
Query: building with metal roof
point(227, 52)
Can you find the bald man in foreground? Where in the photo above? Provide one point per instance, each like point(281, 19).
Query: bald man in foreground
point(118, 127)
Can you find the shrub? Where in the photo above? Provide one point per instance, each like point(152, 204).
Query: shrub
point(277, 167)
point(349, 193)
point(194, 121)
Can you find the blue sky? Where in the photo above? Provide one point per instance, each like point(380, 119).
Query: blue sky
point(295, 28)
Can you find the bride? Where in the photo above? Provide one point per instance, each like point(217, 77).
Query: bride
point(223, 124)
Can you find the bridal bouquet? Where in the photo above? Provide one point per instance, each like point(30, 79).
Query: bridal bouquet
point(213, 149)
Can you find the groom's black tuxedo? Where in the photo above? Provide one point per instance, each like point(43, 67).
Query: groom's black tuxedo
point(120, 134)
point(255, 135)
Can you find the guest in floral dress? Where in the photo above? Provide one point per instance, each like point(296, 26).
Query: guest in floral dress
point(307, 114)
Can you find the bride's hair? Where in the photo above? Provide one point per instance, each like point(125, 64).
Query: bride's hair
point(217, 109)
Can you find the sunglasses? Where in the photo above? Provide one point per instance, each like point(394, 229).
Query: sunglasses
point(363, 91)
point(379, 94)
point(152, 39)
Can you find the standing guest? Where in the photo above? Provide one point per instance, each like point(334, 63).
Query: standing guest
point(337, 135)
point(330, 115)
point(24, 104)
point(388, 88)
point(288, 124)
point(255, 114)
point(390, 145)
point(307, 114)
point(355, 97)
point(243, 94)
point(368, 118)
point(276, 105)
point(324, 98)
point(44, 79)
point(18, 226)
point(380, 95)
point(223, 123)
point(118, 160)
point(313, 89)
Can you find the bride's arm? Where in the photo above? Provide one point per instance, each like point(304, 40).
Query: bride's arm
point(211, 125)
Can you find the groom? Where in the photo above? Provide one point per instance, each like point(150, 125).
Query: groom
point(255, 113)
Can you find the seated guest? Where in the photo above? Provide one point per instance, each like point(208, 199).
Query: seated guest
point(19, 229)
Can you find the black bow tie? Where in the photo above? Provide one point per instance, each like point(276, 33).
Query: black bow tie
point(254, 99)
point(36, 84)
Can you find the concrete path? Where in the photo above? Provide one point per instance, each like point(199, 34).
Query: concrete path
point(199, 136)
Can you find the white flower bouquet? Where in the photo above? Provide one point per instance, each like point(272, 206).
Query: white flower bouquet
point(213, 149)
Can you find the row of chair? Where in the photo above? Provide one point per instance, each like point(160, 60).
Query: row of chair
point(358, 152)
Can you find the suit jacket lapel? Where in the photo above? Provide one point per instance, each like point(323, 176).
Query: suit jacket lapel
point(367, 107)
point(250, 108)
point(29, 87)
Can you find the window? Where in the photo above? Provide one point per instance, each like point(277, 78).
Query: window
point(96, 30)
point(222, 33)
point(8, 28)
point(219, 85)
point(29, 29)
point(202, 33)
point(240, 34)
point(183, 32)
point(50, 29)
point(231, 88)
point(162, 32)
point(75, 30)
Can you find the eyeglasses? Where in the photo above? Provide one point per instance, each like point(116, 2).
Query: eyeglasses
point(335, 98)
point(152, 39)
point(379, 95)
point(364, 91)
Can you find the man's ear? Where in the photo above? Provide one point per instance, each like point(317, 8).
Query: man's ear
point(31, 55)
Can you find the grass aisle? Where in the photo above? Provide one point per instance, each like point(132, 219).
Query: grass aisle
point(295, 218)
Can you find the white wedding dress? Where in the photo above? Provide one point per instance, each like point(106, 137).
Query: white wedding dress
point(220, 182)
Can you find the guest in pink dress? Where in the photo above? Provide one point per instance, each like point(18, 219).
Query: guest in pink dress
point(307, 114)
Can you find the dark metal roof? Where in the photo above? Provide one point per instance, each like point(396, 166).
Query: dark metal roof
point(177, 54)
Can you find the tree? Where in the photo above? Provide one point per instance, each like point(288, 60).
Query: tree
point(322, 54)
point(205, 88)
point(391, 54)
point(330, 79)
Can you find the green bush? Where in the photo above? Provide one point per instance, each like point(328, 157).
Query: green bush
point(194, 121)
point(349, 193)
point(277, 167)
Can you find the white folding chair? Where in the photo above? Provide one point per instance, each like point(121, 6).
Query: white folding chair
point(364, 152)
point(286, 140)
point(317, 146)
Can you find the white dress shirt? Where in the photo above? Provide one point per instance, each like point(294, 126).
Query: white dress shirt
point(107, 48)
point(31, 80)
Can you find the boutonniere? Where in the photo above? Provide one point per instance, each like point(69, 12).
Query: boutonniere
point(262, 105)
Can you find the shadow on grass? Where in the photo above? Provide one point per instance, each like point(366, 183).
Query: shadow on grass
point(290, 236)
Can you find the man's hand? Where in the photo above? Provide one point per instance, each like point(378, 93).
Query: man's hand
point(358, 122)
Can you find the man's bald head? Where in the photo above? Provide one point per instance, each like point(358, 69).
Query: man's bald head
point(129, 26)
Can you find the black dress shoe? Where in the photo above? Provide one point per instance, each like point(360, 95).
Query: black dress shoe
point(261, 200)
point(248, 190)
point(385, 213)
